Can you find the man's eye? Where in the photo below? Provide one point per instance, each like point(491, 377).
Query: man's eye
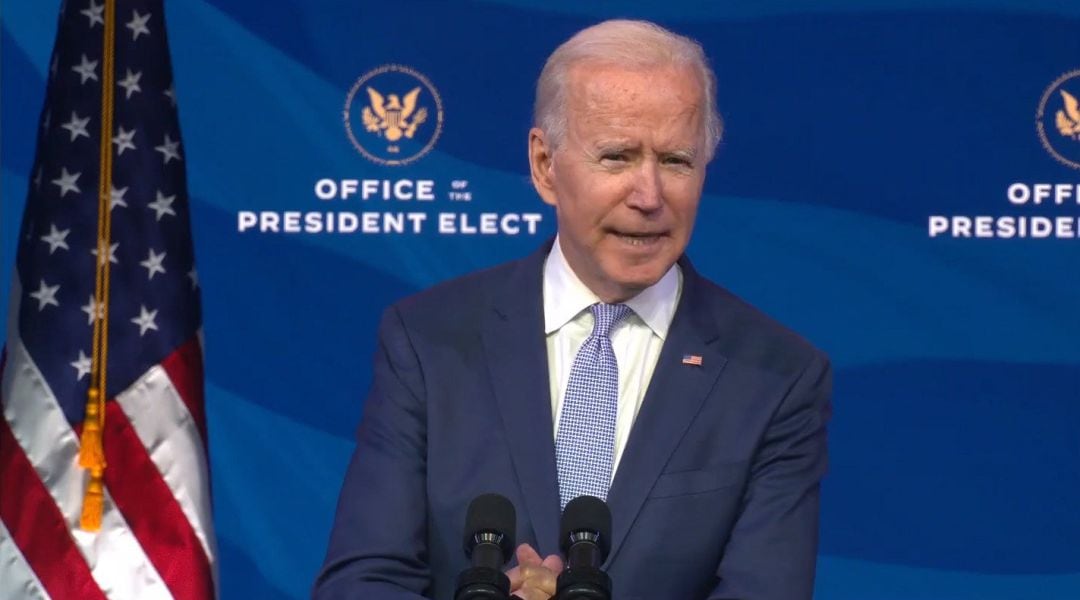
point(678, 161)
point(614, 156)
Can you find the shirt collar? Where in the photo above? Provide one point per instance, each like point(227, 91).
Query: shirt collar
point(565, 296)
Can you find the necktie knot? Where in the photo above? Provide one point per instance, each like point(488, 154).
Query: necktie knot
point(607, 316)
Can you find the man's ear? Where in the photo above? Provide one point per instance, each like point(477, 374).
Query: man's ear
point(541, 165)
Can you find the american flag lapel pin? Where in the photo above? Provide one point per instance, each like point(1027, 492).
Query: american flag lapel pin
point(691, 359)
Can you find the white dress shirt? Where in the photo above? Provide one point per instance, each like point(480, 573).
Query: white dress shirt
point(636, 340)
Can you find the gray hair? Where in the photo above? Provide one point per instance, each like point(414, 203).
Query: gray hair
point(633, 44)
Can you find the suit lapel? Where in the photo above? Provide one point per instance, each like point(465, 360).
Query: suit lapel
point(513, 338)
point(674, 397)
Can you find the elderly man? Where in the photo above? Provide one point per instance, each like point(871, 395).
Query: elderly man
point(603, 365)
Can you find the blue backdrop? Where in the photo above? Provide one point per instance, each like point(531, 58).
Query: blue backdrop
point(860, 136)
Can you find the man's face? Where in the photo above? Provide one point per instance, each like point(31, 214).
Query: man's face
point(626, 180)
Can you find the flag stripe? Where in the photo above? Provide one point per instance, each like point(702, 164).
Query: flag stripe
point(41, 533)
point(152, 512)
point(155, 539)
point(15, 572)
point(165, 428)
point(39, 428)
point(185, 369)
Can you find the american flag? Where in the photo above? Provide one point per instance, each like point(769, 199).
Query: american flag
point(152, 535)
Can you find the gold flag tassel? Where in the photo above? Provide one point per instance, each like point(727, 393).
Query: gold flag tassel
point(91, 450)
point(92, 441)
point(92, 458)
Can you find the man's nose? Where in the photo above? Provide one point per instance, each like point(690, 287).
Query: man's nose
point(647, 194)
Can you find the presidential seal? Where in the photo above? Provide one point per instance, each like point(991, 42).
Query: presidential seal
point(393, 115)
point(1058, 119)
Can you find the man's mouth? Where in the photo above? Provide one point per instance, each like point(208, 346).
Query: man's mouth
point(638, 239)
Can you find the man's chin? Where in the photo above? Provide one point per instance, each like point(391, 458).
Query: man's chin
point(629, 283)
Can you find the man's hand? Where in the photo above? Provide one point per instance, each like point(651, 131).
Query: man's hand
point(534, 578)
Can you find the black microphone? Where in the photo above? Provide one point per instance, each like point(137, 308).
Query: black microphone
point(490, 526)
point(585, 539)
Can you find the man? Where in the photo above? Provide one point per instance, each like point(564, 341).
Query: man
point(603, 364)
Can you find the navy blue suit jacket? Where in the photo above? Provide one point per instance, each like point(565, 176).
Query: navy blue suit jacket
point(716, 494)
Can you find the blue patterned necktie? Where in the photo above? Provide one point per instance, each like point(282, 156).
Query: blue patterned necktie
point(585, 442)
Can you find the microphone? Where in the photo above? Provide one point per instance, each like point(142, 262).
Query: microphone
point(490, 526)
point(585, 539)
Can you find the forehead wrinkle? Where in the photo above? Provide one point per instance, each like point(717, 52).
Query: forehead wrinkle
point(614, 143)
point(624, 82)
point(606, 104)
point(620, 126)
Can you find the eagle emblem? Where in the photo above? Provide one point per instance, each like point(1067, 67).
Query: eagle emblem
point(393, 129)
point(1068, 120)
point(393, 117)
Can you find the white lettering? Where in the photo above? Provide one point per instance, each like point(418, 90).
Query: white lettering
point(394, 222)
point(1019, 193)
point(325, 189)
point(388, 222)
point(417, 220)
point(403, 190)
point(370, 223)
point(1062, 192)
point(1006, 227)
point(291, 222)
point(465, 227)
point(268, 221)
point(505, 224)
point(348, 188)
point(1064, 226)
point(425, 190)
point(1042, 192)
point(245, 220)
point(532, 219)
point(1041, 227)
point(348, 222)
point(446, 223)
point(368, 187)
point(961, 227)
point(938, 224)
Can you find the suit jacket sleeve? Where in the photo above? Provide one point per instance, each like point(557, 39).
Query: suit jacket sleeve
point(378, 542)
point(772, 551)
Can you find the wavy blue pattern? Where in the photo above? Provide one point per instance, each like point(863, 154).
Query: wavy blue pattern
point(870, 290)
point(954, 463)
point(846, 579)
point(959, 465)
point(274, 501)
point(283, 175)
point(687, 12)
point(814, 97)
point(285, 350)
point(22, 100)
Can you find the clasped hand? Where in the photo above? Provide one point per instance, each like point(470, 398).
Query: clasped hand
point(534, 578)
